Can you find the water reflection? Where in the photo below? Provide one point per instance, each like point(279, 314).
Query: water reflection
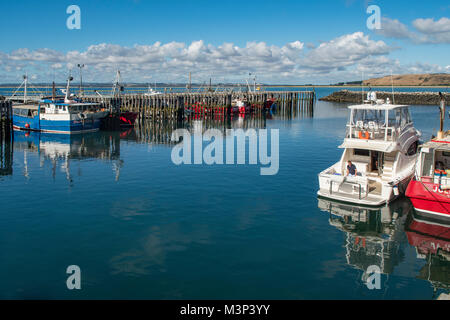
point(373, 236)
point(6, 156)
point(161, 133)
point(381, 236)
point(431, 239)
point(61, 150)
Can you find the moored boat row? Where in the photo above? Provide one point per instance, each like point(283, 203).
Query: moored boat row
point(382, 160)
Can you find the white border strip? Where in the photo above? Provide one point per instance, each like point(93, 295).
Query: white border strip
point(432, 212)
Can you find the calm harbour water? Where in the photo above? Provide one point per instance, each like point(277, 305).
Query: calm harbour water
point(141, 227)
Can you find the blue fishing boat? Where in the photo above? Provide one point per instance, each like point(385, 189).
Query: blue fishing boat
point(66, 115)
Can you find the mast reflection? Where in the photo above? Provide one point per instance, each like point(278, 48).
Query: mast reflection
point(373, 235)
point(431, 238)
point(61, 150)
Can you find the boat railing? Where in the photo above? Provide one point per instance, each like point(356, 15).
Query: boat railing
point(371, 131)
point(351, 184)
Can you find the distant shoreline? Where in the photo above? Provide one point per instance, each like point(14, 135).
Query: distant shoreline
point(221, 85)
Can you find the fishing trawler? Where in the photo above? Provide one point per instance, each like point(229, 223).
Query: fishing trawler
point(429, 190)
point(66, 115)
point(152, 92)
point(240, 106)
point(126, 118)
point(380, 152)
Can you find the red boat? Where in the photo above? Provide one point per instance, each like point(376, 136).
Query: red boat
point(429, 197)
point(429, 190)
point(240, 106)
point(270, 104)
point(127, 119)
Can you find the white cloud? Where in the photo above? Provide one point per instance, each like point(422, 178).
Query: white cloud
point(56, 66)
point(44, 54)
point(427, 30)
point(344, 51)
point(343, 58)
point(430, 26)
point(392, 28)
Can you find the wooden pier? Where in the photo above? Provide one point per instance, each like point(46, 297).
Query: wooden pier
point(5, 119)
point(185, 107)
point(6, 151)
point(182, 107)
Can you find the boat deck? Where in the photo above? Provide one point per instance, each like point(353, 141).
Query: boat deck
point(371, 199)
point(26, 106)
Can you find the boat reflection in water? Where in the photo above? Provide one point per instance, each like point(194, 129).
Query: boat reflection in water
point(374, 236)
point(6, 156)
point(431, 238)
point(60, 150)
point(380, 236)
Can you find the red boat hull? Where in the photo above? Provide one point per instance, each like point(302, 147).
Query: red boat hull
point(127, 119)
point(427, 197)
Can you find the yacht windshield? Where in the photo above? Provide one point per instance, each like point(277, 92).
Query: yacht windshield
point(364, 118)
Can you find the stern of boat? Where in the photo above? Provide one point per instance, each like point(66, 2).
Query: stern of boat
point(356, 189)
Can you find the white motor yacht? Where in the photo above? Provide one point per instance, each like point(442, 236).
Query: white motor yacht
point(381, 142)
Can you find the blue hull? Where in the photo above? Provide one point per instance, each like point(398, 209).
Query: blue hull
point(54, 126)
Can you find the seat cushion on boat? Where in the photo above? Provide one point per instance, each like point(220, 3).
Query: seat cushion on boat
point(362, 167)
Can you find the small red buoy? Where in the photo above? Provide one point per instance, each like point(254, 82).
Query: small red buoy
point(27, 126)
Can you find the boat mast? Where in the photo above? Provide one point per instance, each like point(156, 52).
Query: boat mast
point(81, 66)
point(66, 99)
point(440, 134)
point(116, 85)
point(392, 85)
point(25, 79)
point(189, 85)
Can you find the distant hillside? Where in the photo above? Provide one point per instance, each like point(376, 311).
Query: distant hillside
point(428, 79)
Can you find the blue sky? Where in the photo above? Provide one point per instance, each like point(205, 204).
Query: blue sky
point(280, 41)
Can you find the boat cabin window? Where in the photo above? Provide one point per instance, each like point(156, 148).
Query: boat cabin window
point(412, 150)
point(370, 124)
point(362, 117)
point(30, 113)
point(427, 164)
point(394, 118)
point(442, 160)
point(399, 117)
point(361, 152)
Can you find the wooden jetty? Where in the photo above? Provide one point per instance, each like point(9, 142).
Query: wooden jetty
point(5, 119)
point(182, 107)
point(6, 147)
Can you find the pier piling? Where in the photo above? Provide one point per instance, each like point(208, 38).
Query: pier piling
point(185, 106)
point(6, 149)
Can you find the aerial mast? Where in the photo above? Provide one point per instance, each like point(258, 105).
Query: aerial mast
point(25, 80)
point(440, 134)
point(67, 98)
point(81, 66)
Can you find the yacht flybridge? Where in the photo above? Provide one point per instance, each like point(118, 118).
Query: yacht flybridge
point(380, 149)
